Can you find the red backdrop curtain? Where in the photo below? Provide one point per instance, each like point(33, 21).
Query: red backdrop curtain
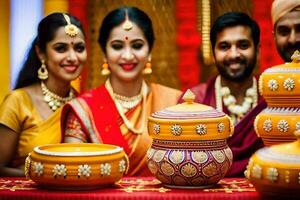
point(188, 41)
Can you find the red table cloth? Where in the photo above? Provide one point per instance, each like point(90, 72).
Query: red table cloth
point(136, 188)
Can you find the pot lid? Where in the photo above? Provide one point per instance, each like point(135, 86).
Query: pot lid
point(289, 67)
point(288, 153)
point(189, 121)
point(189, 109)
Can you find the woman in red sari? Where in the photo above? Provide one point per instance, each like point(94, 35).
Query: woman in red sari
point(117, 111)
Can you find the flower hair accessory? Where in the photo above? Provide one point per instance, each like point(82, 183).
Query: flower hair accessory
point(70, 29)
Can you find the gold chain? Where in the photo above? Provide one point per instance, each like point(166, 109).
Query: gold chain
point(53, 100)
point(121, 110)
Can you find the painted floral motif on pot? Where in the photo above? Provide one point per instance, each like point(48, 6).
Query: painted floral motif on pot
point(195, 164)
point(190, 149)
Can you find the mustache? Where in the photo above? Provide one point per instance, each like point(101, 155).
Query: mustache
point(235, 61)
point(293, 47)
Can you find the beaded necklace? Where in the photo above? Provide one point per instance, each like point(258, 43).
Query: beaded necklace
point(53, 100)
point(122, 111)
point(236, 111)
point(128, 102)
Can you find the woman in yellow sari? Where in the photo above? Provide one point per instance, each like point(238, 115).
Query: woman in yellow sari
point(30, 114)
point(116, 112)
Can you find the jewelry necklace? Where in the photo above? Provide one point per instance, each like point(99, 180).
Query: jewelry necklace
point(128, 102)
point(121, 110)
point(236, 111)
point(53, 100)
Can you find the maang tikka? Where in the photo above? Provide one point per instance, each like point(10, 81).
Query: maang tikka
point(127, 25)
point(70, 29)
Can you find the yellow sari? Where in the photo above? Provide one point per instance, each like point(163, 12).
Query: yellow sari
point(18, 113)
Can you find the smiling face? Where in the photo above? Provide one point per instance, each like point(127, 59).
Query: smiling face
point(287, 35)
point(65, 56)
point(127, 53)
point(235, 53)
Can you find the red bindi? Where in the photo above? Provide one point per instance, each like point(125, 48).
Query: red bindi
point(126, 38)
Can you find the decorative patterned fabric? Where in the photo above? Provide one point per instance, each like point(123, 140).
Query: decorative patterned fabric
point(130, 188)
point(18, 113)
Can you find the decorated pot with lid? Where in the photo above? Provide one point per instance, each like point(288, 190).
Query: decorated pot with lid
point(280, 86)
point(189, 146)
point(275, 170)
point(76, 166)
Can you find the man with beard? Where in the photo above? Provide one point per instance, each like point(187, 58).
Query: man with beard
point(235, 43)
point(286, 21)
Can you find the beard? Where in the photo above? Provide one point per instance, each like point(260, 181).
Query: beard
point(287, 51)
point(244, 72)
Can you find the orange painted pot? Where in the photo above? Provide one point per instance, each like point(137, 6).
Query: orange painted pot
point(76, 166)
point(280, 85)
point(189, 146)
point(275, 170)
point(276, 125)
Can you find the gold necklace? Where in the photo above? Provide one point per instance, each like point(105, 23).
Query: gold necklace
point(53, 100)
point(236, 111)
point(128, 102)
point(121, 111)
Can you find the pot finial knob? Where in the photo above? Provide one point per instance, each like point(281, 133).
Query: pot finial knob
point(189, 97)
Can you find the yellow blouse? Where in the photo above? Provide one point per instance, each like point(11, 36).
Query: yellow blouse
point(18, 113)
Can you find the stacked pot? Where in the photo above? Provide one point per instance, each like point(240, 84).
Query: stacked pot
point(280, 86)
point(275, 170)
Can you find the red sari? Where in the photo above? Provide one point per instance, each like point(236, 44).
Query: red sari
point(244, 142)
point(101, 122)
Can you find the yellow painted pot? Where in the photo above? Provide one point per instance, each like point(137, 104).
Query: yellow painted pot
point(280, 85)
point(189, 146)
point(76, 166)
point(275, 170)
point(276, 125)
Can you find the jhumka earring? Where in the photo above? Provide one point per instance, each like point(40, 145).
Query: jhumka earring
point(148, 69)
point(105, 71)
point(43, 72)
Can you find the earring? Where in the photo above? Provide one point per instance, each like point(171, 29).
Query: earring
point(148, 69)
point(105, 71)
point(43, 72)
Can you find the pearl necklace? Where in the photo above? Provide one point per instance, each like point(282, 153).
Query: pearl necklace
point(122, 111)
point(128, 102)
point(53, 100)
point(236, 111)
